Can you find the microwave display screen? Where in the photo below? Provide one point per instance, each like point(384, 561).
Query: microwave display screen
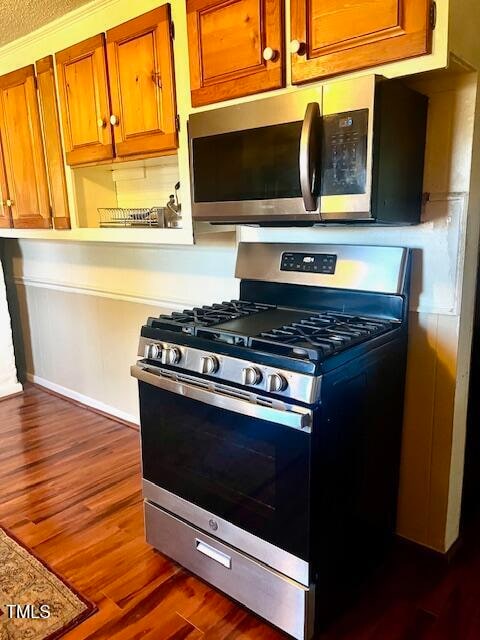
point(255, 164)
point(344, 156)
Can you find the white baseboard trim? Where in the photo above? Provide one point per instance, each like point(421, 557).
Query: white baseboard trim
point(82, 399)
point(10, 390)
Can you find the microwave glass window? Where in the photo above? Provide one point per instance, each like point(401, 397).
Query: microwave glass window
point(344, 156)
point(256, 164)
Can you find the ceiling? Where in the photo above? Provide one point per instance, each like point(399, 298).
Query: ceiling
point(19, 17)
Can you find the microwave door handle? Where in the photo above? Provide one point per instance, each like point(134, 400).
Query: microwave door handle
point(312, 115)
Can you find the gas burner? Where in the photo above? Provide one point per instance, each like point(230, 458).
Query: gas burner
point(189, 320)
point(303, 335)
point(320, 335)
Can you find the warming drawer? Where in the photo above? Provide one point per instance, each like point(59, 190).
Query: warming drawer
point(268, 593)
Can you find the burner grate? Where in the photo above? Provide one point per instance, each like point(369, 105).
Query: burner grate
point(306, 335)
point(320, 335)
point(207, 316)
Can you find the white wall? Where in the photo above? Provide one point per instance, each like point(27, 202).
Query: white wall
point(79, 309)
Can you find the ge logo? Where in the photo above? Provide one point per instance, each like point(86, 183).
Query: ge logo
point(213, 525)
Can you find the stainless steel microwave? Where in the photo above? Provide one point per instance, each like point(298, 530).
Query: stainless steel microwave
point(349, 151)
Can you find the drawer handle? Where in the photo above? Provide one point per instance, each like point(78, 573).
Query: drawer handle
point(214, 554)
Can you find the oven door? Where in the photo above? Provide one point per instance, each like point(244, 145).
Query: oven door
point(243, 463)
point(258, 162)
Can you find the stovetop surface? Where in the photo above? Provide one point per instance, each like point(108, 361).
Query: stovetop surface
point(298, 333)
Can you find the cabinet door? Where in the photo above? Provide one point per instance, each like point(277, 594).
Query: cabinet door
point(23, 150)
point(236, 48)
point(84, 101)
point(5, 215)
point(53, 142)
point(333, 36)
point(142, 87)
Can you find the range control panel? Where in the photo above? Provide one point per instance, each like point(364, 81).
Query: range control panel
point(309, 262)
point(344, 161)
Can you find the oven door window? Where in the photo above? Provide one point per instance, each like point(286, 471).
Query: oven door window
point(256, 164)
point(250, 472)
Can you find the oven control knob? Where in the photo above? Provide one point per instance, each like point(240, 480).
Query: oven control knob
point(276, 383)
point(171, 355)
point(209, 364)
point(153, 351)
point(251, 376)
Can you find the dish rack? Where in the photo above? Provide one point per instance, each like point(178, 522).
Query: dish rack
point(124, 217)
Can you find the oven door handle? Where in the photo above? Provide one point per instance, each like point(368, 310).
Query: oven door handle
point(290, 416)
point(308, 146)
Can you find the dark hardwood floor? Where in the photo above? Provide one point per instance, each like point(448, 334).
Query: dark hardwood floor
point(70, 489)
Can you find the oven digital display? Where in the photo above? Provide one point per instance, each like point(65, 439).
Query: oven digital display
point(309, 262)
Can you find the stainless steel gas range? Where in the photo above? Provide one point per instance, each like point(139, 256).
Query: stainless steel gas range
point(271, 427)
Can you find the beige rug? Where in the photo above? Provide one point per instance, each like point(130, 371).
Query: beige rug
point(35, 603)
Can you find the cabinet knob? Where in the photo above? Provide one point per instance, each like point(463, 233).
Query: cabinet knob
point(270, 54)
point(101, 123)
point(297, 47)
point(113, 120)
point(9, 203)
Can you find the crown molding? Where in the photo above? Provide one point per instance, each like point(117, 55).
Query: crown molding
point(51, 29)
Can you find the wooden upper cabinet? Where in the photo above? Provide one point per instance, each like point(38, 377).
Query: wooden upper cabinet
point(21, 141)
point(334, 36)
point(53, 142)
point(142, 88)
point(236, 48)
point(84, 101)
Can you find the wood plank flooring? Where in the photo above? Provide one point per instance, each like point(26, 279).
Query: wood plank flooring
point(70, 489)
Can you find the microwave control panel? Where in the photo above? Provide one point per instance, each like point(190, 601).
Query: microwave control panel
point(309, 262)
point(344, 153)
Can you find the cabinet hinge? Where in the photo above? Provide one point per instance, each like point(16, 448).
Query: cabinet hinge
point(172, 30)
point(433, 15)
point(177, 122)
point(35, 83)
point(157, 79)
